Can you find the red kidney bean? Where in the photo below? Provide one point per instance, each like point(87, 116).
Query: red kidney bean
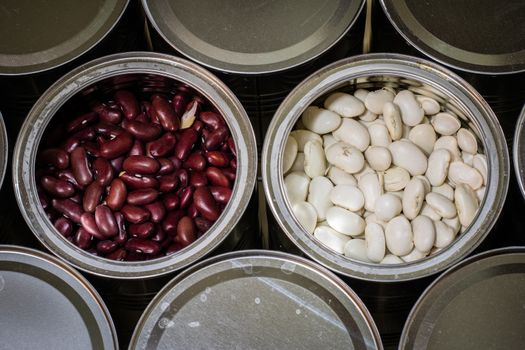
point(103, 171)
point(142, 197)
point(143, 246)
point(192, 211)
point(91, 149)
point(221, 194)
point(166, 166)
point(195, 162)
point(202, 224)
point(184, 178)
point(56, 187)
point(158, 234)
point(177, 163)
point(233, 164)
point(142, 118)
point(165, 113)
point(212, 119)
point(68, 208)
point(122, 235)
point(55, 157)
point(80, 166)
point(92, 197)
point(116, 163)
point(186, 231)
point(162, 146)
point(140, 165)
point(119, 255)
point(82, 239)
point(77, 198)
point(82, 121)
point(117, 195)
point(106, 221)
point(70, 144)
point(108, 114)
point(197, 126)
point(143, 230)
point(218, 159)
point(142, 131)
point(108, 130)
point(137, 183)
point(86, 134)
point(64, 226)
point(128, 103)
point(134, 214)
point(169, 224)
point(187, 140)
point(231, 146)
point(137, 149)
point(215, 138)
point(205, 203)
point(179, 104)
point(67, 175)
point(168, 183)
point(88, 222)
point(44, 201)
point(171, 201)
point(217, 177)
point(145, 107)
point(120, 145)
point(230, 173)
point(198, 178)
point(106, 247)
point(175, 247)
point(157, 211)
point(186, 195)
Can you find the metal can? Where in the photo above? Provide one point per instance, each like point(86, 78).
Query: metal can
point(47, 304)
point(477, 303)
point(4, 147)
point(256, 299)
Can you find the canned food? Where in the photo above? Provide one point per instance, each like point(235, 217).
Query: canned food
point(47, 304)
point(477, 303)
point(256, 299)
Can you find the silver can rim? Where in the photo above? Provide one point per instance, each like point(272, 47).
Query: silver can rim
point(518, 151)
point(404, 66)
point(4, 152)
point(126, 63)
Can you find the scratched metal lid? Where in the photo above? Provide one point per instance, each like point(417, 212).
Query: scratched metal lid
point(252, 36)
point(46, 304)
point(519, 151)
point(480, 36)
point(477, 304)
point(38, 35)
point(3, 149)
point(256, 300)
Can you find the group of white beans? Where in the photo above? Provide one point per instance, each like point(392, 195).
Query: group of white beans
point(383, 176)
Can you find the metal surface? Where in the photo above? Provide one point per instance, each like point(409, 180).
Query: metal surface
point(369, 71)
point(103, 76)
point(256, 300)
point(518, 152)
point(4, 148)
point(252, 37)
point(40, 34)
point(48, 305)
point(490, 41)
point(477, 304)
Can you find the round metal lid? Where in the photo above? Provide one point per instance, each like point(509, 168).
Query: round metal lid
point(47, 305)
point(252, 36)
point(477, 304)
point(256, 300)
point(4, 148)
point(519, 151)
point(39, 34)
point(480, 36)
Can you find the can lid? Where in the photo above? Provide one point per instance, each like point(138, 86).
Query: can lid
point(47, 305)
point(253, 300)
point(518, 151)
point(4, 148)
point(250, 36)
point(480, 36)
point(38, 35)
point(477, 304)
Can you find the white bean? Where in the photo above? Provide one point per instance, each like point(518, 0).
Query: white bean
point(408, 156)
point(290, 153)
point(375, 242)
point(423, 136)
point(298, 164)
point(426, 183)
point(445, 190)
point(345, 221)
point(467, 204)
point(314, 159)
point(467, 141)
point(371, 188)
point(379, 134)
point(331, 238)
point(480, 164)
point(411, 111)
point(414, 255)
point(461, 173)
point(424, 233)
point(378, 157)
point(341, 177)
point(427, 210)
point(398, 235)
point(347, 196)
point(344, 104)
point(444, 234)
point(445, 123)
point(413, 198)
point(303, 136)
point(296, 185)
point(467, 158)
point(441, 204)
point(480, 193)
point(438, 164)
point(375, 100)
point(429, 105)
point(453, 223)
point(320, 120)
point(345, 157)
point(368, 116)
point(387, 206)
point(396, 179)
point(372, 219)
point(353, 133)
point(356, 249)
point(393, 122)
point(366, 170)
point(391, 259)
point(306, 215)
point(361, 94)
point(319, 187)
point(328, 140)
point(450, 144)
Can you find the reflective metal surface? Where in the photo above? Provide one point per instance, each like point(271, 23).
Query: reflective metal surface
point(4, 148)
point(518, 152)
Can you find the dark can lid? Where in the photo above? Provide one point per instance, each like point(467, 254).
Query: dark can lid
point(252, 36)
point(46, 304)
point(256, 300)
point(480, 36)
point(38, 35)
point(477, 304)
point(4, 149)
